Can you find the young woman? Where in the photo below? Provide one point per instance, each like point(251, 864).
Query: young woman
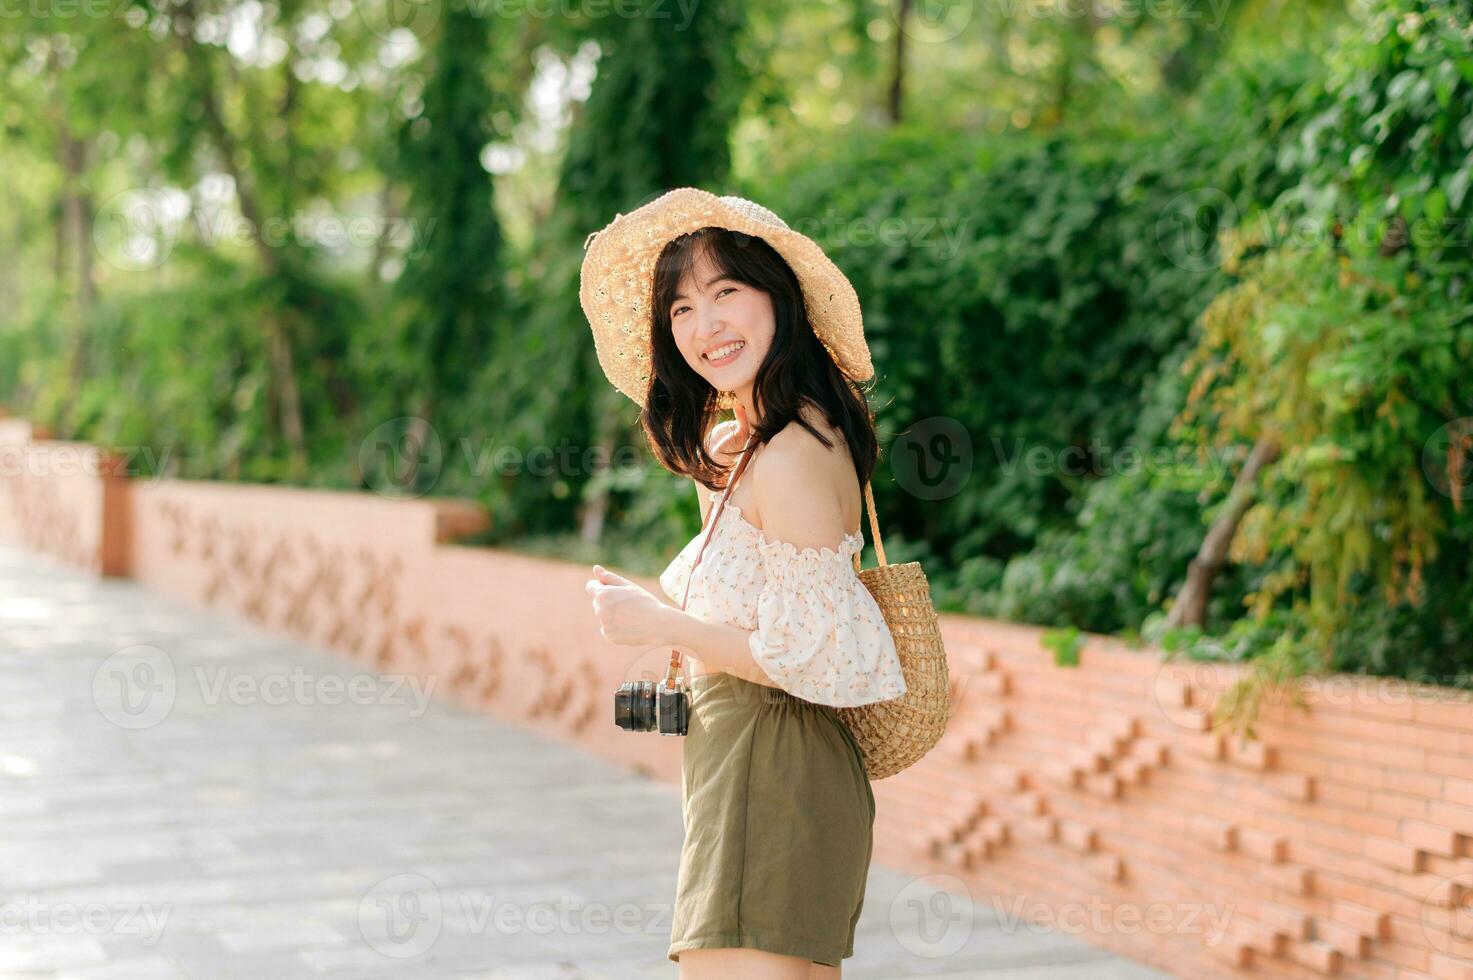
point(696, 302)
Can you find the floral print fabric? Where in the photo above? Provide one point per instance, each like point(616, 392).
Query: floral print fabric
point(817, 631)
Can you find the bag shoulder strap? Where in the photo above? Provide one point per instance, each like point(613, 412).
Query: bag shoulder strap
point(874, 526)
point(716, 513)
point(715, 516)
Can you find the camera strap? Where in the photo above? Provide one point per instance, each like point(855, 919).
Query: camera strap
point(715, 515)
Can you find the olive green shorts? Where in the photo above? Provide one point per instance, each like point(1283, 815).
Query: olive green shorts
point(779, 820)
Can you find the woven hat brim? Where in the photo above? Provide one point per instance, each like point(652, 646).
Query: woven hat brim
point(615, 282)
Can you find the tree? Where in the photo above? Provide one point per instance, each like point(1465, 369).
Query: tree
point(449, 292)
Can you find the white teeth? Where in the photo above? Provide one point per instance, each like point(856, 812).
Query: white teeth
point(721, 352)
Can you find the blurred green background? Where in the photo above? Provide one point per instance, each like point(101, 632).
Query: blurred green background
point(1182, 286)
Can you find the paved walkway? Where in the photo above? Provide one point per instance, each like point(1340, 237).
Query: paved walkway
point(185, 796)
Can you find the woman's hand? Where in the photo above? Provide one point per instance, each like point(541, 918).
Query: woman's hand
point(736, 439)
point(628, 614)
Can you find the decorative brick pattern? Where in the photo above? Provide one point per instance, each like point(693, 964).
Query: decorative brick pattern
point(1338, 843)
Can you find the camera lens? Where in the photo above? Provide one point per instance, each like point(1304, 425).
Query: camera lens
point(634, 707)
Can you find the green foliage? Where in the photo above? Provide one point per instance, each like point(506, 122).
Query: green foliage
point(1037, 250)
point(652, 123)
point(1345, 340)
point(177, 376)
point(1035, 291)
point(1065, 644)
point(450, 289)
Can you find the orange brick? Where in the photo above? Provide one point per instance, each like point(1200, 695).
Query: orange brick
point(1172, 692)
point(1217, 833)
point(1031, 803)
point(1154, 753)
point(1193, 720)
point(1290, 785)
point(1357, 774)
point(1264, 846)
point(1417, 784)
point(1317, 956)
point(1236, 953)
point(1039, 828)
point(1438, 891)
point(1064, 773)
point(1124, 727)
point(1106, 744)
point(953, 853)
point(993, 683)
point(1107, 866)
point(1251, 755)
point(994, 830)
point(1290, 877)
point(1459, 791)
point(1368, 921)
point(1077, 836)
point(1430, 837)
point(1389, 703)
point(1091, 761)
point(1133, 771)
point(1263, 938)
point(1456, 714)
point(1393, 854)
point(1396, 805)
point(1459, 818)
point(1343, 937)
point(1450, 968)
point(1458, 766)
point(1286, 919)
point(1208, 745)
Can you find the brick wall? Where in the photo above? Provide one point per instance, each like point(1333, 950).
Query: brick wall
point(1099, 799)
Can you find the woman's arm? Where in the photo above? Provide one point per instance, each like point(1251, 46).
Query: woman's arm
point(717, 646)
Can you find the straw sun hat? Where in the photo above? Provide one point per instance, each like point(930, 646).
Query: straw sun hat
point(616, 283)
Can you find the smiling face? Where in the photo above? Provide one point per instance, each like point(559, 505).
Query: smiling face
point(722, 327)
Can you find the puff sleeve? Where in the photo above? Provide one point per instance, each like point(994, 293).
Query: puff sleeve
point(820, 634)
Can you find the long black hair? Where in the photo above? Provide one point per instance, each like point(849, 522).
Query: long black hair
point(680, 406)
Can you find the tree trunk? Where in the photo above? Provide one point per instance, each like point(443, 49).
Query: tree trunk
point(897, 79)
point(1190, 607)
point(606, 437)
point(275, 323)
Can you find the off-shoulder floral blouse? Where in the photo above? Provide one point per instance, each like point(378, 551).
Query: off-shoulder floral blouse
point(817, 631)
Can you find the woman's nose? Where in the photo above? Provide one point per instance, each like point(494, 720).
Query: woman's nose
point(709, 325)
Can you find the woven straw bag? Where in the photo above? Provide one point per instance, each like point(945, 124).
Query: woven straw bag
point(892, 734)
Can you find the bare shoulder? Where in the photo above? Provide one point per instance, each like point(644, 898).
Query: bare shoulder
point(799, 483)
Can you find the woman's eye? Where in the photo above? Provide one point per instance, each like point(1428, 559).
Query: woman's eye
point(677, 311)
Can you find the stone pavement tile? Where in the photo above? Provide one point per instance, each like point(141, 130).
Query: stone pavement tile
point(391, 837)
point(141, 968)
point(46, 951)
